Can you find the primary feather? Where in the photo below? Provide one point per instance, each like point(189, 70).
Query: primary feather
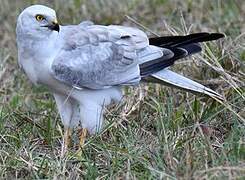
point(86, 65)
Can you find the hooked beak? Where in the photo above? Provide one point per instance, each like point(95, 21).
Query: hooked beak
point(54, 26)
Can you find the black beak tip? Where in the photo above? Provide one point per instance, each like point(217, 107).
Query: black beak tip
point(56, 27)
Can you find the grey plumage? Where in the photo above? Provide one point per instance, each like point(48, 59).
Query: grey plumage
point(86, 65)
point(98, 57)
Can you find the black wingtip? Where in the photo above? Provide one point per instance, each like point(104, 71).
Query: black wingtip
point(214, 36)
point(176, 41)
point(181, 46)
point(219, 35)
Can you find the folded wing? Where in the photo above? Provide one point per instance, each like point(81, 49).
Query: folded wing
point(98, 57)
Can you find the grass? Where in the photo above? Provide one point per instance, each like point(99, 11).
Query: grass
point(171, 134)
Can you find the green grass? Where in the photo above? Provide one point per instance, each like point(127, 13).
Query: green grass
point(171, 134)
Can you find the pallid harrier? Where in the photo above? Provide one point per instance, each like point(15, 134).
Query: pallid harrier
point(85, 66)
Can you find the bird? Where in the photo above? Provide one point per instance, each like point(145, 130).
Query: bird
point(86, 66)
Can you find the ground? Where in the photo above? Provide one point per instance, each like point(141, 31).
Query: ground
point(170, 134)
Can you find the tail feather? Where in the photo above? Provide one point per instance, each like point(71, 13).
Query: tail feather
point(178, 47)
point(171, 78)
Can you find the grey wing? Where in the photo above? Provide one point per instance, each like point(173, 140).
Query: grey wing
point(98, 57)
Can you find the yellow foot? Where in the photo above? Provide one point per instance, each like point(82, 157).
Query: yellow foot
point(83, 136)
point(66, 141)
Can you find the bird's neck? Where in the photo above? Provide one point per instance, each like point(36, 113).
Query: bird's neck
point(35, 55)
point(38, 48)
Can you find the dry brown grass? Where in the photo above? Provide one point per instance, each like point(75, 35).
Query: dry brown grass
point(173, 135)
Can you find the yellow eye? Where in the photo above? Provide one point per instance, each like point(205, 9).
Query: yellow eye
point(39, 17)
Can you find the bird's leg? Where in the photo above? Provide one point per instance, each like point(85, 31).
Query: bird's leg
point(83, 135)
point(66, 140)
point(67, 137)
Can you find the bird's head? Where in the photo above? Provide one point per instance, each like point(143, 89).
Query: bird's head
point(37, 21)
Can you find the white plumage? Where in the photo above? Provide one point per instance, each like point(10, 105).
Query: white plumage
point(86, 65)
